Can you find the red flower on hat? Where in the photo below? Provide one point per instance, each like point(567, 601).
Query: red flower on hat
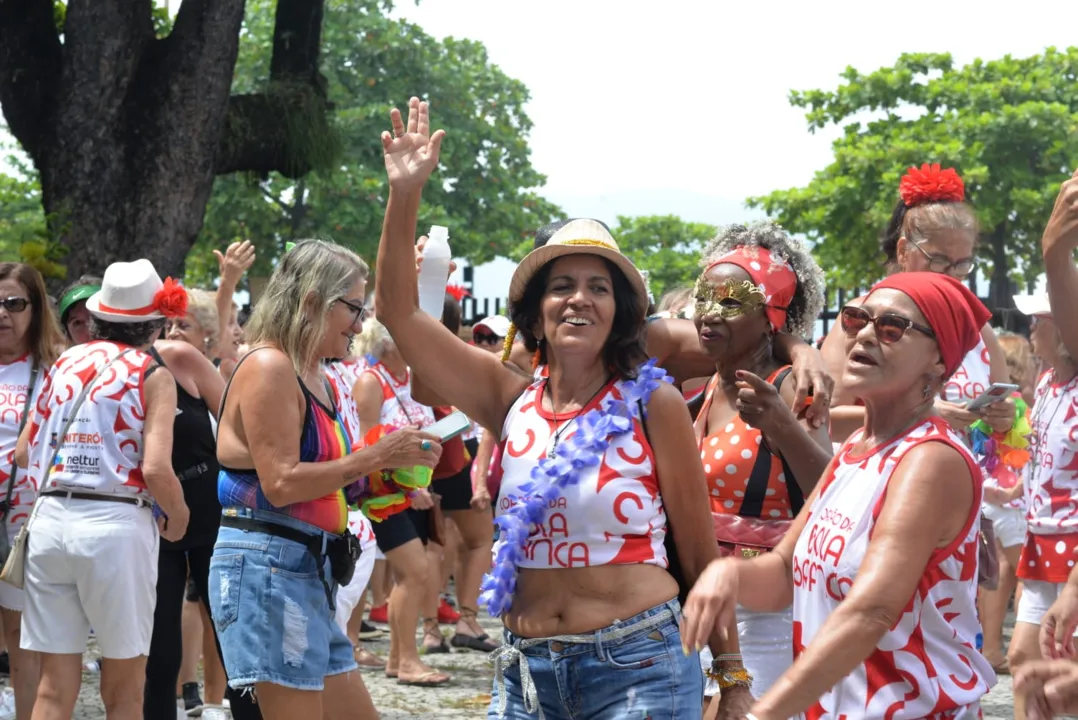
point(459, 292)
point(171, 299)
point(931, 184)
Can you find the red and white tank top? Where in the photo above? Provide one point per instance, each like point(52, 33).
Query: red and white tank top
point(102, 452)
point(927, 665)
point(340, 384)
point(398, 408)
point(972, 377)
point(14, 386)
point(613, 516)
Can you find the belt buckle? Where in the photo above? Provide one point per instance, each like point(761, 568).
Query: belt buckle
point(750, 552)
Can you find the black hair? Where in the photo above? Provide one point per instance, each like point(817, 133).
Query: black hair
point(914, 223)
point(451, 313)
point(133, 334)
point(624, 348)
point(543, 234)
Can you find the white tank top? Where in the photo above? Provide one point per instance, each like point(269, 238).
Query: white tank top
point(14, 382)
point(102, 452)
point(341, 381)
point(972, 377)
point(613, 516)
point(1052, 474)
point(399, 410)
point(927, 666)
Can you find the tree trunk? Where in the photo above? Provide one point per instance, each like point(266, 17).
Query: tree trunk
point(128, 130)
point(1000, 291)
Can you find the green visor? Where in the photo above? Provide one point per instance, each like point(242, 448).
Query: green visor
point(76, 294)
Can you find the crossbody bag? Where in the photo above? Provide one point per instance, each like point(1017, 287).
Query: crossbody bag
point(14, 572)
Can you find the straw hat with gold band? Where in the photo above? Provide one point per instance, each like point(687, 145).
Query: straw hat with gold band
point(578, 237)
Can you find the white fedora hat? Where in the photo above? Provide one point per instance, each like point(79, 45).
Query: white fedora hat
point(129, 293)
point(578, 237)
point(1033, 304)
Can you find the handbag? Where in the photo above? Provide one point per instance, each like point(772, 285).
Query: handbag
point(5, 544)
point(747, 537)
point(14, 571)
point(987, 556)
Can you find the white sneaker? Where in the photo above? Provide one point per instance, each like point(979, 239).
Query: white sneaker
point(211, 712)
point(7, 704)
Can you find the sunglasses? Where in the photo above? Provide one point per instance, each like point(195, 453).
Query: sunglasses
point(14, 304)
point(942, 264)
point(889, 327)
point(485, 339)
point(361, 313)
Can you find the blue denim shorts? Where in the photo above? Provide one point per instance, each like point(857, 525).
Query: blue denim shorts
point(270, 609)
point(642, 674)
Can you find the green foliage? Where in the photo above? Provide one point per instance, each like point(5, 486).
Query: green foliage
point(24, 234)
point(482, 191)
point(1008, 126)
point(666, 246)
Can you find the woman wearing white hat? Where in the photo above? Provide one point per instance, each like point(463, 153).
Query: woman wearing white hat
point(599, 457)
point(100, 448)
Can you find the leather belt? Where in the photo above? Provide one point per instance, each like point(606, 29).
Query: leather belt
point(138, 501)
point(308, 540)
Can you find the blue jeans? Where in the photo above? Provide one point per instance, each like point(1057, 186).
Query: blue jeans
point(631, 669)
point(270, 609)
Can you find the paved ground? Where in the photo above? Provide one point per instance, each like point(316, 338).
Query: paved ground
point(467, 696)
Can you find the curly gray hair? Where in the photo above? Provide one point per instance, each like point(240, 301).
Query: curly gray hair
point(808, 298)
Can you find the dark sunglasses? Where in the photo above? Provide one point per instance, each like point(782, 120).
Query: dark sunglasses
point(889, 328)
point(361, 313)
point(14, 304)
point(485, 339)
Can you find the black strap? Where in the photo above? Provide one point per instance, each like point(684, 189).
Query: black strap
point(34, 370)
point(762, 469)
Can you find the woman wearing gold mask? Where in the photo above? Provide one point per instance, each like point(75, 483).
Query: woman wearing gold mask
point(760, 460)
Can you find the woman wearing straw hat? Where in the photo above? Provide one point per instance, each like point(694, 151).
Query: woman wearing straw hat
point(100, 448)
point(599, 458)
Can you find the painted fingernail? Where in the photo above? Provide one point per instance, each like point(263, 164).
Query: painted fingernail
point(685, 649)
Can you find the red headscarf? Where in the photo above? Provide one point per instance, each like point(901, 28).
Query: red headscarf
point(953, 312)
point(771, 273)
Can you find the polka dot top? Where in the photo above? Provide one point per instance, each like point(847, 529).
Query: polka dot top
point(730, 456)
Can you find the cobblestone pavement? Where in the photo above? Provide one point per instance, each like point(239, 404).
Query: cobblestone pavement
point(469, 692)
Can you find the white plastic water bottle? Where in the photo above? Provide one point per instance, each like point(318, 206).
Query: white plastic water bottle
point(434, 273)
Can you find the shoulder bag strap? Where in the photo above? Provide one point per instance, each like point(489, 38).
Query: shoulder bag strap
point(389, 384)
point(35, 370)
point(75, 411)
point(797, 496)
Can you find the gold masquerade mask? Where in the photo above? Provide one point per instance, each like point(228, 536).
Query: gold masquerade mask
point(728, 299)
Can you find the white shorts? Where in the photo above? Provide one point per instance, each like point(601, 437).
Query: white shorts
point(1009, 524)
point(1037, 597)
point(766, 649)
point(348, 597)
point(90, 563)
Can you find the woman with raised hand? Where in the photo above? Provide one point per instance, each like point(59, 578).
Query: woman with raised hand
point(881, 564)
point(286, 458)
point(29, 344)
point(599, 458)
point(760, 459)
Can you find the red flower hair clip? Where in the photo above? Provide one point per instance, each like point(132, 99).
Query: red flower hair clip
point(459, 292)
point(931, 184)
point(171, 299)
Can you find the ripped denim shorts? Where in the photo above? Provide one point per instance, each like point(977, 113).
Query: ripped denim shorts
point(270, 609)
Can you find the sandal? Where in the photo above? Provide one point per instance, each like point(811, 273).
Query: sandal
point(427, 680)
point(480, 642)
point(367, 660)
point(431, 629)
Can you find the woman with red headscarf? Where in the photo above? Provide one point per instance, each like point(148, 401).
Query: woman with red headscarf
point(881, 565)
point(760, 459)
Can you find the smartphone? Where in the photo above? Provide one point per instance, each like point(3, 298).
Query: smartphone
point(995, 393)
point(450, 426)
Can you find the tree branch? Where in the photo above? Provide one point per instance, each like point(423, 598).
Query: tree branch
point(270, 196)
point(30, 62)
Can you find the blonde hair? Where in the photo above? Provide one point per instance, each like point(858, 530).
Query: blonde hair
point(202, 307)
point(292, 311)
point(1019, 355)
point(374, 340)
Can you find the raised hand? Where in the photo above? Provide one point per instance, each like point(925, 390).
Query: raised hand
point(235, 261)
point(411, 152)
point(759, 403)
point(1062, 229)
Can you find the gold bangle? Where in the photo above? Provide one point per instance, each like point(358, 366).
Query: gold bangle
point(730, 677)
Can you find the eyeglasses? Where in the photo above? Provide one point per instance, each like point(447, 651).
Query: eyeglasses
point(14, 304)
point(485, 339)
point(889, 327)
point(361, 313)
point(942, 264)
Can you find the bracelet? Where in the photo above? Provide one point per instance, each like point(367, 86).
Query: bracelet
point(730, 677)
